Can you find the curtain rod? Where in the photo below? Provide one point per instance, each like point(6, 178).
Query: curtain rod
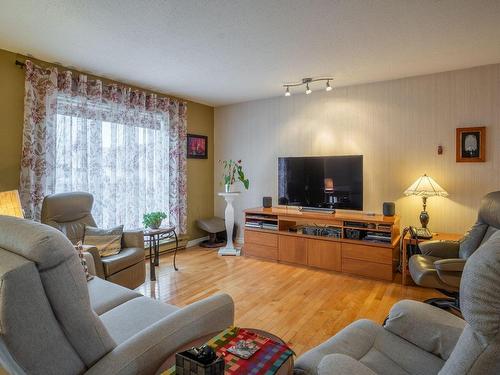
point(20, 63)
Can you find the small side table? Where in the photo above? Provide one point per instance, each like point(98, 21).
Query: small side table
point(405, 273)
point(153, 236)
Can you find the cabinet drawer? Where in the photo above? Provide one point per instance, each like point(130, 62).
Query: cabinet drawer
point(260, 251)
point(292, 249)
point(324, 254)
point(368, 269)
point(368, 253)
point(261, 238)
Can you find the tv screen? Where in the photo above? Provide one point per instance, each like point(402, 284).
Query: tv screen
point(332, 182)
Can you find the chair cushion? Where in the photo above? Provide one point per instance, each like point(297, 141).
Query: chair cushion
point(105, 295)
point(374, 347)
point(131, 317)
point(125, 258)
point(424, 273)
point(107, 241)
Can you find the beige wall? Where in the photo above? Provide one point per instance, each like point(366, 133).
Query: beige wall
point(200, 121)
point(397, 125)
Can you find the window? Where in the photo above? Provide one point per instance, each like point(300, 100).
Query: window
point(119, 155)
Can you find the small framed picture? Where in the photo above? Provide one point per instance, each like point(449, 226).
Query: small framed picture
point(197, 146)
point(471, 144)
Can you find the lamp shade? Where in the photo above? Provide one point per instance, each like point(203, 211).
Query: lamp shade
point(425, 186)
point(10, 204)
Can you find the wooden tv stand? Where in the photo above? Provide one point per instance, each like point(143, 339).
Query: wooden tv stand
point(276, 240)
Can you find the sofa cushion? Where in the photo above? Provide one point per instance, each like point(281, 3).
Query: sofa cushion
point(131, 317)
point(125, 258)
point(105, 296)
point(374, 347)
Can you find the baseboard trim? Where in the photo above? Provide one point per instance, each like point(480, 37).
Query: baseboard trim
point(196, 241)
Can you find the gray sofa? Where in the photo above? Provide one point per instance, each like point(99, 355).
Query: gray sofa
point(423, 339)
point(52, 321)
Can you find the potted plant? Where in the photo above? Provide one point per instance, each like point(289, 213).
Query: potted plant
point(153, 219)
point(232, 172)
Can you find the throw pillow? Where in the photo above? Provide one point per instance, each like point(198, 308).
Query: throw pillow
point(107, 241)
point(79, 250)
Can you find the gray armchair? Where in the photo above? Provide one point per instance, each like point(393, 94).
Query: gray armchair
point(418, 338)
point(52, 321)
point(441, 263)
point(70, 212)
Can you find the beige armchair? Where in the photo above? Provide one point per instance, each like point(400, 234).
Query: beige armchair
point(70, 212)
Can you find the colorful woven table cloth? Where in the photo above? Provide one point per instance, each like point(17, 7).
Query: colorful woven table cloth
point(266, 361)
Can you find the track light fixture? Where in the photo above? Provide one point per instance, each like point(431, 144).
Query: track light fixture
point(307, 81)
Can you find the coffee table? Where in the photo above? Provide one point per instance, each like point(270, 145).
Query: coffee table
point(285, 369)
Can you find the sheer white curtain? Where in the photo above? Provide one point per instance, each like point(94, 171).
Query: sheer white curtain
point(123, 163)
point(126, 147)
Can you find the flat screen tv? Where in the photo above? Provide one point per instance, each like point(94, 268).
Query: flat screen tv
point(328, 182)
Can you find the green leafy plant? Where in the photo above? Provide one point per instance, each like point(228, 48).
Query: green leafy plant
point(153, 219)
point(233, 171)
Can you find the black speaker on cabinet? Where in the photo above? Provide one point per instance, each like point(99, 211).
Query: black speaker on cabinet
point(267, 202)
point(389, 209)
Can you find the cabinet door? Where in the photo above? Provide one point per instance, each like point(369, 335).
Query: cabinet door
point(324, 254)
point(292, 249)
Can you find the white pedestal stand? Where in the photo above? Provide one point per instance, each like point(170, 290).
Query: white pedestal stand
point(229, 249)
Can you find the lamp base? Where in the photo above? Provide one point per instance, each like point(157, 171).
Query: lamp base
point(424, 219)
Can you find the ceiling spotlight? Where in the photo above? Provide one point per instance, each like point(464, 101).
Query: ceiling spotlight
point(328, 87)
point(308, 90)
point(287, 92)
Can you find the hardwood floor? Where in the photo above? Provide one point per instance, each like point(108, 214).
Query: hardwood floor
point(303, 306)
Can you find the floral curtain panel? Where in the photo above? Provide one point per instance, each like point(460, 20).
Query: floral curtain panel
point(126, 147)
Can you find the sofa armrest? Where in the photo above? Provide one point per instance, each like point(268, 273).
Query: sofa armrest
point(133, 239)
point(145, 352)
point(98, 267)
point(428, 327)
point(440, 249)
point(89, 259)
point(341, 364)
point(450, 265)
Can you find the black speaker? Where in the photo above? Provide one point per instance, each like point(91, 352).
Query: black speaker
point(389, 208)
point(267, 202)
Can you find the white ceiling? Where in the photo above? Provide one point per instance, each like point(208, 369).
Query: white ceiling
point(226, 51)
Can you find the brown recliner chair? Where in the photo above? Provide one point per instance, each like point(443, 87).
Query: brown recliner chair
point(441, 263)
point(70, 212)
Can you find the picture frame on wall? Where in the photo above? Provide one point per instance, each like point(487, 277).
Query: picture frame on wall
point(197, 146)
point(471, 144)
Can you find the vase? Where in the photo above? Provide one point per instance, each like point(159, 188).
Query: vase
point(227, 188)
